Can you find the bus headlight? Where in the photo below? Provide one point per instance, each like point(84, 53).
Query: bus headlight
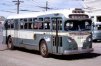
point(69, 40)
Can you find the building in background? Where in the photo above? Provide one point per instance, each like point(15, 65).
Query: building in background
point(2, 19)
point(94, 7)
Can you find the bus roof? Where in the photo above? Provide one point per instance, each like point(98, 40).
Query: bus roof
point(35, 14)
point(65, 12)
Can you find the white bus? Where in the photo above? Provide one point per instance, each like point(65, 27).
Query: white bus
point(60, 32)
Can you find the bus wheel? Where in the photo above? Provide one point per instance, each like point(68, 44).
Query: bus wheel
point(43, 49)
point(10, 43)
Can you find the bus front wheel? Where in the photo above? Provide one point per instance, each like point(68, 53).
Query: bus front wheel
point(43, 49)
point(10, 43)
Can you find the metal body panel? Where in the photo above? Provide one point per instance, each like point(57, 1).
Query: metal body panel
point(96, 35)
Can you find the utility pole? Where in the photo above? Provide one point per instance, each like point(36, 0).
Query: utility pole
point(18, 3)
point(46, 5)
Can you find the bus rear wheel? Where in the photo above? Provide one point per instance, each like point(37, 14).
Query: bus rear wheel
point(43, 49)
point(10, 43)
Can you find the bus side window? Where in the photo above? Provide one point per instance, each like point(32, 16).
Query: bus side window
point(59, 20)
point(34, 19)
point(16, 25)
point(40, 19)
point(8, 24)
point(21, 23)
point(54, 24)
point(47, 25)
point(60, 25)
point(30, 19)
point(35, 26)
point(25, 20)
point(25, 25)
point(38, 25)
point(30, 23)
point(12, 24)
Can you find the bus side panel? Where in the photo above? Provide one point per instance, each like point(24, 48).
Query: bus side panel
point(47, 39)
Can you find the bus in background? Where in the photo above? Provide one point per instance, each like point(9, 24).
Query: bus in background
point(96, 26)
point(60, 32)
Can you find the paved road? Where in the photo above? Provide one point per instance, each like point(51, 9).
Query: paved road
point(22, 57)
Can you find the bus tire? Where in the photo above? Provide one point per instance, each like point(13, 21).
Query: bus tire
point(10, 43)
point(43, 49)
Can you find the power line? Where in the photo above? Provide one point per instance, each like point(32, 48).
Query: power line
point(28, 10)
point(7, 11)
point(18, 3)
point(46, 7)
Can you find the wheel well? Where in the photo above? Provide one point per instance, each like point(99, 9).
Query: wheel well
point(40, 43)
point(8, 38)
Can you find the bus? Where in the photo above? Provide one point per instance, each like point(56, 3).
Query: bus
point(60, 32)
point(96, 26)
point(96, 31)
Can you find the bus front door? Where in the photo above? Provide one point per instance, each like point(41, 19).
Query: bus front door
point(56, 38)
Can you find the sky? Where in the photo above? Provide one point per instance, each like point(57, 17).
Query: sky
point(7, 7)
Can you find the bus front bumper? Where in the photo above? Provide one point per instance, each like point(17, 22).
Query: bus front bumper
point(79, 51)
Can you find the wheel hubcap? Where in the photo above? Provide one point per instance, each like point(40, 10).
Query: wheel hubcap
point(43, 49)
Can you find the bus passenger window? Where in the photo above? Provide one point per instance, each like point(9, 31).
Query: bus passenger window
point(40, 19)
point(8, 25)
point(60, 25)
point(34, 19)
point(54, 26)
point(29, 25)
point(12, 24)
point(38, 25)
point(16, 25)
point(47, 19)
point(25, 20)
point(21, 25)
point(35, 26)
point(47, 25)
point(25, 26)
point(29, 19)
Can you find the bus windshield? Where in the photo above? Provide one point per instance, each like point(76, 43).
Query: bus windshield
point(75, 25)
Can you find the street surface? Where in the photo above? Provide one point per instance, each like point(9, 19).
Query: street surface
point(23, 57)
